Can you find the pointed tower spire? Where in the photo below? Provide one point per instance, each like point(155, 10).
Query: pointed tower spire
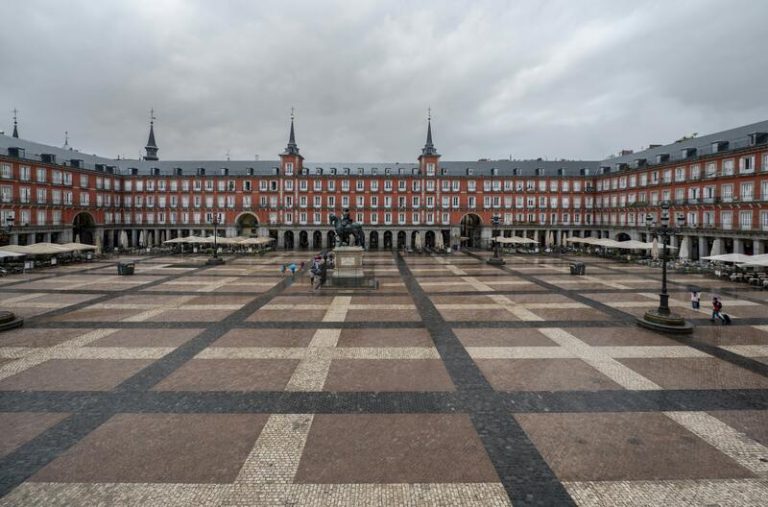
point(66, 140)
point(292, 148)
point(429, 148)
point(15, 123)
point(151, 146)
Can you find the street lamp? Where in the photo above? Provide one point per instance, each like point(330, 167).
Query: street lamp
point(215, 260)
point(662, 319)
point(496, 259)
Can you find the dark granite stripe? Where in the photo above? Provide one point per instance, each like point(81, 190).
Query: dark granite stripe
point(526, 477)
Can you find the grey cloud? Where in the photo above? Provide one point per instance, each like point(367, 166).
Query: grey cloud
point(526, 79)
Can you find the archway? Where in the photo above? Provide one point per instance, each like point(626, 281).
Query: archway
point(331, 240)
point(373, 242)
point(401, 240)
point(247, 224)
point(288, 240)
point(388, 240)
point(317, 240)
point(303, 240)
point(623, 236)
point(429, 239)
point(83, 227)
point(470, 229)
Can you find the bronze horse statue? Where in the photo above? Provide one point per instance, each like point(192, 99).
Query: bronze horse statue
point(345, 228)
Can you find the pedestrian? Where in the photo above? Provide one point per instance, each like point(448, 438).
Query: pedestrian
point(695, 299)
point(717, 308)
point(321, 276)
point(283, 268)
point(292, 267)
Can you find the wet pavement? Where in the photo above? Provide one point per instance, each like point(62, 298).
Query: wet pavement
point(454, 383)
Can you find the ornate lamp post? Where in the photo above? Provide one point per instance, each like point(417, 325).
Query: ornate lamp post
point(496, 259)
point(215, 260)
point(662, 319)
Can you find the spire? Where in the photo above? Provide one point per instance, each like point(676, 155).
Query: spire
point(66, 139)
point(429, 148)
point(292, 148)
point(15, 123)
point(151, 146)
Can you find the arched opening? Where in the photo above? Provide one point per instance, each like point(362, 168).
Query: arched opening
point(83, 227)
point(304, 240)
point(622, 236)
point(288, 240)
point(373, 242)
point(247, 224)
point(317, 240)
point(401, 240)
point(388, 240)
point(331, 240)
point(470, 229)
point(429, 239)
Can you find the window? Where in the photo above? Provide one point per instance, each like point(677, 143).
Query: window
point(726, 217)
point(289, 169)
point(747, 164)
point(746, 193)
point(25, 173)
point(6, 171)
point(6, 193)
point(726, 193)
point(24, 193)
point(41, 175)
point(728, 167)
point(745, 220)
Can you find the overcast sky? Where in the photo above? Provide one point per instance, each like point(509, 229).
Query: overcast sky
point(526, 79)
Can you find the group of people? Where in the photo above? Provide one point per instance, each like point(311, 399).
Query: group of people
point(717, 307)
point(318, 271)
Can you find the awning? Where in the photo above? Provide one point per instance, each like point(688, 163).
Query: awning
point(78, 246)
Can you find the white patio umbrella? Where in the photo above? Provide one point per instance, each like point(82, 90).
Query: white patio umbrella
point(439, 244)
point(77, 238)
point(550, 239)
point(756, 261)
point(684, 254)
point(99, 244)
point(141, 239)
point(731, 257)
point(417, 241)
point(7, 253)
point(123, 239)
point(717, 247)
point(655, 249)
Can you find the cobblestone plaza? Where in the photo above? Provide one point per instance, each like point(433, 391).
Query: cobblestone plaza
point(455, 383)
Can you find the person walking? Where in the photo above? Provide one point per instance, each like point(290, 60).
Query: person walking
point(695, 299)
point(292, 267)
point(717, 308)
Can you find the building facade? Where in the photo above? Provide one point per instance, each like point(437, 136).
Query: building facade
point(718, 182)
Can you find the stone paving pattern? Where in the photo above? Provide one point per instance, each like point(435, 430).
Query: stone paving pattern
point(455, 383)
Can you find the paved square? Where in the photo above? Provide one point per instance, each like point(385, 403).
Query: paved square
point(455, 383)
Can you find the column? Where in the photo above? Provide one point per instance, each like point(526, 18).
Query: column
point(703, 247)
point(738, 245)
point(280, 239)
point(408, 238)
point(758, 247)
point(324, 239)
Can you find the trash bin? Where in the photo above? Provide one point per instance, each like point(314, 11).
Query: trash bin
point(125, 268)
point(578, 268)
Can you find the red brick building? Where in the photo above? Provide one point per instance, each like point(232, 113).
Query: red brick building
point(720, 183)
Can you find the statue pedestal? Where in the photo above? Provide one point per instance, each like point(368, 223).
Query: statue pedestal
point(349, 262)
point(348, 273)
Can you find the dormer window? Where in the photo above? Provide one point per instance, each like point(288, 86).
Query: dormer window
point(719, 146)
point(224, 171)
point(360, 171)
point(494, 171)
point(539, 171)
point(662, 157)
point(249, 171)
point(561, 172)
point(201, 171)
point(177, 171)
point(155, 171)
point(469, 171)
point(687, 152)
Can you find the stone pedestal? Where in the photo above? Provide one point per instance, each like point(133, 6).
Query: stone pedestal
point(348, 272)
point(349, 262)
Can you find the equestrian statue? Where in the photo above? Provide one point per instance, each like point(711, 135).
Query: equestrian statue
point(345, 227)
